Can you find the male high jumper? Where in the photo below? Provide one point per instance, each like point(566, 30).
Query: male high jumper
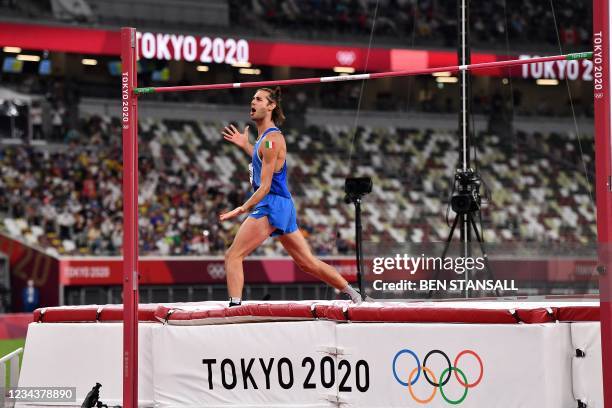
point(271, 208)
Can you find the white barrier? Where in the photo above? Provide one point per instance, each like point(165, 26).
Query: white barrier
point(12, 359)
point(240, 365)
point(522, 366)
point(586, 364)
point(10, 372)
point(381, 358)
point(81, 354)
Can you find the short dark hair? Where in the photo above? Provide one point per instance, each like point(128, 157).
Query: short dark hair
point(274, 95)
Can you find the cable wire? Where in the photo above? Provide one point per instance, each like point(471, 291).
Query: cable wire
point(365, 70)
point(569, 92)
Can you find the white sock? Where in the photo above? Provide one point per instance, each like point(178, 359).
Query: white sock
point(355, 296)
point(235, 301)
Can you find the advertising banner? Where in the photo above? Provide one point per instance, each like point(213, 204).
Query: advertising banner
point(187, 270)
point(246, 365)
point(438, 365)
point(80, 355)
point(229, 50)
point(321, 363)
point(190, 270)
point(75, 271)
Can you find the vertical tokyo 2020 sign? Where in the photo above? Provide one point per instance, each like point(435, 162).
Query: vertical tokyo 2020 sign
point(125, 101)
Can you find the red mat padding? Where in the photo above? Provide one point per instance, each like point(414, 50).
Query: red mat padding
point(430, 315)
point(578, 314)
point(93, 313)
point(257, 310)
point(216, 312)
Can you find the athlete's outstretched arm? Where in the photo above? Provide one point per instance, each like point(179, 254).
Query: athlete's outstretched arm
point(270, 154)
point(241, 140)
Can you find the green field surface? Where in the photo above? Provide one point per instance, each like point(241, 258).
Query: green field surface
point(6, 346)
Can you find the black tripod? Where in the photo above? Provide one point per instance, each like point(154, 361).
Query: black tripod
point(465, 204)
point(355, 188)
point(467, 181)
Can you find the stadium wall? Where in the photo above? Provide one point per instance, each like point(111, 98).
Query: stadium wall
point(52, 275)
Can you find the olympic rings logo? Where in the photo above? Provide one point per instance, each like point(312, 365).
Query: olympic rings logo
point(216, 270)
point(430, 377)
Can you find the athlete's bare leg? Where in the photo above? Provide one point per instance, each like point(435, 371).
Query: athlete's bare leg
point(298, 248)
point(251, 234)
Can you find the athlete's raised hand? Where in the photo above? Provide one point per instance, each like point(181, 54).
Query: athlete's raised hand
point(232, 134)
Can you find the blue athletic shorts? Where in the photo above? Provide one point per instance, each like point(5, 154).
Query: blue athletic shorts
point(280, 212)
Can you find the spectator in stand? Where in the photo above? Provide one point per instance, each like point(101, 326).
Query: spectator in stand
point(65, 221)
point(57, 120)
point(36, 119)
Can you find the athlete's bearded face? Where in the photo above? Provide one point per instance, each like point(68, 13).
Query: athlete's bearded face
point(261, 107)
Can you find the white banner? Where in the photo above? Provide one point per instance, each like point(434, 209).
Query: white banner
point(244, 365)
point(81, 354)
point(477, 365)
point(318, 364)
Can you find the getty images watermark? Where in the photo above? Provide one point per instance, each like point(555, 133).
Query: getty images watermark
point(396, 267)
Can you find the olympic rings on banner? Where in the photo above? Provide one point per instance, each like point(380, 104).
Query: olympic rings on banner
point(444, 378)
point(443, 382)
point(465, 391)
point(399, 353)
point(414, 397)
point(475, 383)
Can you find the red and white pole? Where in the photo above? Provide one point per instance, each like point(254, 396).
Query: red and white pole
point(603, 182)
point(129, 120)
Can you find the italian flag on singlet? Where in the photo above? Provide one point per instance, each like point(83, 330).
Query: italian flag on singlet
point(268, 144)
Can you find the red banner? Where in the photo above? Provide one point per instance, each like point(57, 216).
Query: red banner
point(87, 41)
point(179, 47)
point(217, 50)
point(319, 56)
point(166, 271)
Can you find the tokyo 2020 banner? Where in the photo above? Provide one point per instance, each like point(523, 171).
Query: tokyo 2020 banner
point(168, 46)
point(324, 364)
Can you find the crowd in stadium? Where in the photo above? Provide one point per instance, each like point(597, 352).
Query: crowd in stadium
point(67, 197)
point(69, 200)
point(422, 21)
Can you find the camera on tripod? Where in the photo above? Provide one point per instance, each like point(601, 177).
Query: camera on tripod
point(467, 200)
point(356, 187)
